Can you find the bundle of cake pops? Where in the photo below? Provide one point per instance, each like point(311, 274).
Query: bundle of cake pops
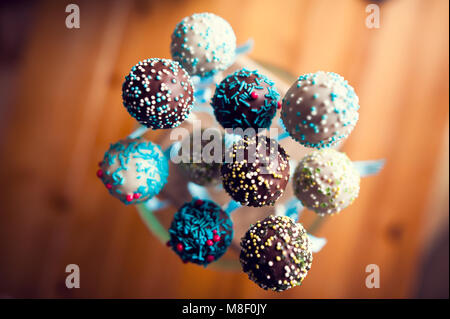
point(237, 156)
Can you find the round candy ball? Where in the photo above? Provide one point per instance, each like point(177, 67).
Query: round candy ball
point(201, 162)
point(134, 170)
point(256, 171)
point(200, 232)
point(320, 109)
point(326, 181)
point(158, 93)
point(276, 253)
point(245, 99)
point(204, 44)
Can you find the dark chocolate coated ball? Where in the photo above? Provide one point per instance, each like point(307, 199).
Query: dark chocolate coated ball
point(245, 99)
point(256, 171)
point(158, 93)
point(276, 253)
point(200, 232)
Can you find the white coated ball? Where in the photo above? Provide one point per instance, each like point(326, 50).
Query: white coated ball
point(203, 44)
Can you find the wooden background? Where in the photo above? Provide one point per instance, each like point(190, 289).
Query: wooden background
point(61, 108)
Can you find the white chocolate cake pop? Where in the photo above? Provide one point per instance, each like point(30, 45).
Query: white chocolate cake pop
point(326, 181)
point(203, 44)
point(134, 170)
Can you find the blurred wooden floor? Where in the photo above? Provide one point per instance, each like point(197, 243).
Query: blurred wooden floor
point(64, 108)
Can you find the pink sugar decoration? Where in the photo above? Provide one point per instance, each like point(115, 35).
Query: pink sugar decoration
point(198, 202)
point(99, 173)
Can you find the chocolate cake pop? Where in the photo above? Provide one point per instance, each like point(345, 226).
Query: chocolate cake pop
point(256, 171)
point(200, 165)
point(158, 93)
point(200, 232)
point(320, 109)
point(276, 253)
point(245, 99)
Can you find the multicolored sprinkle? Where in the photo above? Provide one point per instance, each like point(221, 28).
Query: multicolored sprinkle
point(256, 171)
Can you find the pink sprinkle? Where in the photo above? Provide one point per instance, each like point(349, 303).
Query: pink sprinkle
point(136, 195)
point(216, 238)
point(180, 247)
point(129, 197)
point(108, 186)
point(198, 202)
point(99, 173)
point(254, 95)
point(279, 104)
point(214, 231)
point(209, 242)
point(209, 258)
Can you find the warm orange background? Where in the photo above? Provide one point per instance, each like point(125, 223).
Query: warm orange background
point(61, 92)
